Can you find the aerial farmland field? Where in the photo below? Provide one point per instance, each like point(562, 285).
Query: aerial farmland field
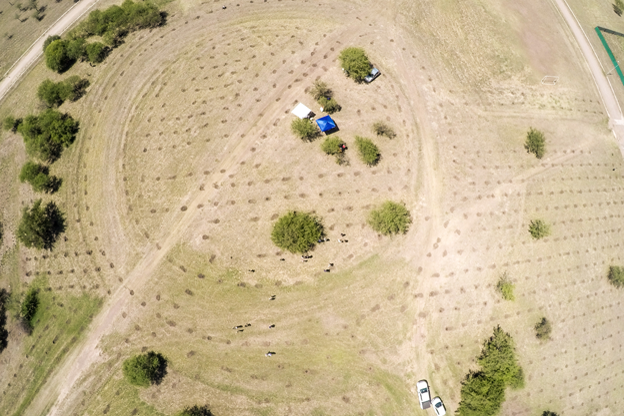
point(184, 161)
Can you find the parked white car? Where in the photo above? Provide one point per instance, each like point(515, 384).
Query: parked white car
point(424, 396)
point(438, 406)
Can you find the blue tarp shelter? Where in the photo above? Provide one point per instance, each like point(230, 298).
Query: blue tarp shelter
point(326, 123)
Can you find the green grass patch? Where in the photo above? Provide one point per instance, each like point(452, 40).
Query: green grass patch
point(59, 323)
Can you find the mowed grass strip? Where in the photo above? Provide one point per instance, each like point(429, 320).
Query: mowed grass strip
point(59, 323)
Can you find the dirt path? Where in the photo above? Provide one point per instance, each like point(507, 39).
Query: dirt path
point(604, 86)
point(32, 55)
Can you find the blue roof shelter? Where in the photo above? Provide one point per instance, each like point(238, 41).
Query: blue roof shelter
point(326, 123)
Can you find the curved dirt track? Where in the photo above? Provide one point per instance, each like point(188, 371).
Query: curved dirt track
point(177, 223)
point(32, 55)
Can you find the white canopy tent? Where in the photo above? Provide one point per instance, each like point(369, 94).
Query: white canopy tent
point(301, 111)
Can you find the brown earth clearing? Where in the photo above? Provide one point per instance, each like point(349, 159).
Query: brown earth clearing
point(185, 159)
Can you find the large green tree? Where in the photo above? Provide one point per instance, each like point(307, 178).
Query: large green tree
point(297, 232)
point(145, 369)
point(355, 63)
point(41, 225)
point(47, 134)
point(57, 57)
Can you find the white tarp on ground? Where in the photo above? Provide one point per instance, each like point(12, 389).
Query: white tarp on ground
point(301, 111)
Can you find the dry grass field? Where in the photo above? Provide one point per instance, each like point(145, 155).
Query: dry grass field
point(185, 159)
point(16, 35)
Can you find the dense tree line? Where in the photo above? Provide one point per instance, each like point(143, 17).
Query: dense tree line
point(112, 25)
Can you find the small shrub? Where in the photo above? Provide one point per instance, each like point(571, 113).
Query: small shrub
point(196, 411)
point(505, 287)
point(329, 106)
point(297, 232)
point(616, 276)
point(320, 90)
point(29, 307)
point(41, 226)
point(382, 129)
point(355, 63)
point(145, 369)
point(390, 218)
point(539, 229)
point(305, 129)
point(10, 123)
point(543, 329)
point(535, 143)
point(369, 153)
point(38, 177)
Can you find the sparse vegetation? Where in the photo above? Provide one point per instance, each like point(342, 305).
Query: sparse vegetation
point(196, 411)
point(543, 329)
point(535, 143)
point(539, 229)
point(47, 134)
point(369, 153)
point(382, 129)
point(145, 369)
point(355, 63)
point(53, 94)
point(41, 226)
point(505, 287)
point(37, 175)
point(305, 129)
point(483, 391)
point(297, 232)
point(390, 218)
point(29, 308)
point(616, 276)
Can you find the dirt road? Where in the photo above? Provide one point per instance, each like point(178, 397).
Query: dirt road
point(32, 55)
point(604, 86)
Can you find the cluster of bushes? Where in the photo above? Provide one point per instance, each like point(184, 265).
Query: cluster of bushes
point(297, 232)
point(143, 370)
point(334, 146)
point(40, 225)
point(112, 25)
point(390, 218)
point(325, 97)
point(29, 308)
point(483, 391)
point(355, 63)
point(53, 94)
point(38, 176)
point(305, 129)
point(45, 135)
